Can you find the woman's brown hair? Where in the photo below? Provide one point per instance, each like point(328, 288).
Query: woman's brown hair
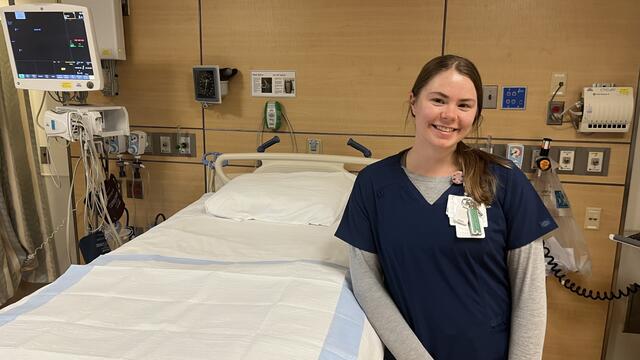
point(479, 182)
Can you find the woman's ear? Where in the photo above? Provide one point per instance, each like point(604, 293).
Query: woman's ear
point(412, 103)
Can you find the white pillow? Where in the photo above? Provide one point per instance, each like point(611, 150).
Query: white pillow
point(316, 198)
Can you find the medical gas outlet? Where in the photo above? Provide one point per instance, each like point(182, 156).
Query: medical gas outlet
point(594, 161)
point(567, 158)
point(184, 145)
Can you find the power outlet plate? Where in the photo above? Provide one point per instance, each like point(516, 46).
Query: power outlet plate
point(165, 144)
point(314, 146)
point(592, 218)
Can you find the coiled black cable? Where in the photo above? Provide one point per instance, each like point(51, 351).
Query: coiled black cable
point(579, 290)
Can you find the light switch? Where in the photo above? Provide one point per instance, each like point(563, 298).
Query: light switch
point(490, 96)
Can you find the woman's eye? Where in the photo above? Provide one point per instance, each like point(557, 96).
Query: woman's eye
point(465, 106)
point(437, 100)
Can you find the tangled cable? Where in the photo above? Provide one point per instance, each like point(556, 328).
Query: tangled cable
point(584, 292)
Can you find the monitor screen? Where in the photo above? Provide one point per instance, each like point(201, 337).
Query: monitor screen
point(52, 45)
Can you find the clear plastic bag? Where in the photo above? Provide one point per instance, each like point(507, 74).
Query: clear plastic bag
point(567, 244)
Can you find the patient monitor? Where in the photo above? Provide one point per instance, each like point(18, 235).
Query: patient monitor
point(52, 47)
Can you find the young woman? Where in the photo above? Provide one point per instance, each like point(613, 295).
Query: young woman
point(447, 258)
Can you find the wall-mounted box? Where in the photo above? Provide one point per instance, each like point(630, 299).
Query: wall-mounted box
point(108, 27)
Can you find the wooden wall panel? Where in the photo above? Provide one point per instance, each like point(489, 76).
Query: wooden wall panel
point(163, 44)
point(355, 61)
point(523, 42)
point(576, 326)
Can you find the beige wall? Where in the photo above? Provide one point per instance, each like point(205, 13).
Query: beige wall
point(355, 62)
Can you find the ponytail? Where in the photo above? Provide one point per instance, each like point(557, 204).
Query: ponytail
point(479, 182)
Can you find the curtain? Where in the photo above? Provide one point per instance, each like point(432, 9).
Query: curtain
point(24, 212)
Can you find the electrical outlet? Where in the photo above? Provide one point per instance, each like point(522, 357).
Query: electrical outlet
point(490, 97)
point(184, 145)
point(165, 144)
point(556, 78)
point(594, 161)
point(566, 160)
point(592, 218)
point(314, 146)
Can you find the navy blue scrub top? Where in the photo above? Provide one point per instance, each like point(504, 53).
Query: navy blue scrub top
point(454, 293)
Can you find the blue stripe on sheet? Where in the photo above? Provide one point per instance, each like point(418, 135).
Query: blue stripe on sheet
point(68, 279)
point(106, 259)
point(343, 340)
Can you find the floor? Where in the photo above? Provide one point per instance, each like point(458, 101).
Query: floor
point(24, 289)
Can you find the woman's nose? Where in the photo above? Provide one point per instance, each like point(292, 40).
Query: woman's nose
point(448, 112)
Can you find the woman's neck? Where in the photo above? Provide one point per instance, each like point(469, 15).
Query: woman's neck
point(426, 161)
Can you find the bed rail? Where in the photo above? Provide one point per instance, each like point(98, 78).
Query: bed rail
point(291, 162)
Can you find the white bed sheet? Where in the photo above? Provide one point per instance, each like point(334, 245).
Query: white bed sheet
point(192, 233)
point(196, 287)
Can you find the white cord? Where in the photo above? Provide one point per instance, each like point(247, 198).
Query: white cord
point(52, 166)
point(294, 143)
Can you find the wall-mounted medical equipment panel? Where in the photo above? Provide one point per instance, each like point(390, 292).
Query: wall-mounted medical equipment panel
point(607, 109)
point(574, 160)
point(52, 47)
point(65, 121)
point(171, 144)
point(514, 98)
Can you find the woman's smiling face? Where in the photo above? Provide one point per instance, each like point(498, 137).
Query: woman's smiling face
point(445, 110)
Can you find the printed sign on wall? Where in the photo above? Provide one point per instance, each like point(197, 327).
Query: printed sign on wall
point(273, 83)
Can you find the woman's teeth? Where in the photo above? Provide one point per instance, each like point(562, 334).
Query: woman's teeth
point(444, 128)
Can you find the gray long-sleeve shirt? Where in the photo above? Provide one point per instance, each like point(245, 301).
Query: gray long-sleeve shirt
point(526, 274)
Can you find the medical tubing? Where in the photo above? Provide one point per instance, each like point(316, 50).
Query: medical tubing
point(356, 145)
point(584, 292)
point(274, 140)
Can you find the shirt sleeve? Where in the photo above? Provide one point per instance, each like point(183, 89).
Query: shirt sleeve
point(526, 216)
point(380, 309)
point(356, 224)
point(529, 301)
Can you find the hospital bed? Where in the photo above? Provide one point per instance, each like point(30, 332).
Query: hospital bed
point(200, 286)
